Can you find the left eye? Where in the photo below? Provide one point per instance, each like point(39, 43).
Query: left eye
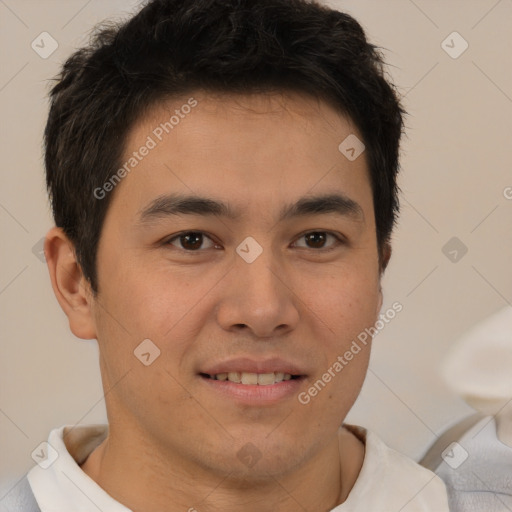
point(193, 240)
point(318, 239)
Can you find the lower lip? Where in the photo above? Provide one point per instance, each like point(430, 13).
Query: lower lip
point(254, 393)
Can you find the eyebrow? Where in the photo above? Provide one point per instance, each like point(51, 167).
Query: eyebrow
point(177, 204)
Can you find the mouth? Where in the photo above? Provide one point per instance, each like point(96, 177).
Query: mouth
point(246, 381)
point(252, 379)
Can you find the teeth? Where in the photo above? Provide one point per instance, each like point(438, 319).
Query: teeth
point(234, 376)
point(249, 378)
point(262, 379)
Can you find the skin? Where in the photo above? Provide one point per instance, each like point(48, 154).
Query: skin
point(173, 441)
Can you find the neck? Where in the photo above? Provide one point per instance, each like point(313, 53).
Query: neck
point(144, 480)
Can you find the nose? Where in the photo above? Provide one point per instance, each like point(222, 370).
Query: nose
point(259, 297)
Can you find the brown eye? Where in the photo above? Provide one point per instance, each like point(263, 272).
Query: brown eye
point(190, 241)
point(317, 240)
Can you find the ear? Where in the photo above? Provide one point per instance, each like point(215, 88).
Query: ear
point(386, 255)
point(379, 303)
point(71, 288)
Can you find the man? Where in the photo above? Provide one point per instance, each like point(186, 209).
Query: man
point(223, 183)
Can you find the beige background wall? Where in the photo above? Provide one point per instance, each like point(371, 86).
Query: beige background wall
point(457, 162)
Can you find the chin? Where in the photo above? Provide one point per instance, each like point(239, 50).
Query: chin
point(258, 457)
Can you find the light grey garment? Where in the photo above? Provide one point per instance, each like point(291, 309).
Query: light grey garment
point(20, 498)
point(478, 471)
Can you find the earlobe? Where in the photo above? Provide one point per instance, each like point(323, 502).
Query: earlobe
point(69, 285)
point(386, 255)
point(379, 302)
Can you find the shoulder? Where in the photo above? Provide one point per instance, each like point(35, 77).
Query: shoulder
point(20, 498)
point(389, 480)
point(476, 470)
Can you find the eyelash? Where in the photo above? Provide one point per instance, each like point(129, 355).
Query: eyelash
point(339, 241)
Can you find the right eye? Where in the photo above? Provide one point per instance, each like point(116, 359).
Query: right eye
point(190, 241)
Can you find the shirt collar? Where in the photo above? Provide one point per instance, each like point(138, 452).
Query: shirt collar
point(63, 485)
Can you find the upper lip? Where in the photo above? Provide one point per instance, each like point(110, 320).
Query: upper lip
point(248, 365)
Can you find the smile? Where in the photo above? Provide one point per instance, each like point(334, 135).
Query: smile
point(248, 378)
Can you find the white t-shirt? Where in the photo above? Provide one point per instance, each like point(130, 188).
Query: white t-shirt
point(388, 481)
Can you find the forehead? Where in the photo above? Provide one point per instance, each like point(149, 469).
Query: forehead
point(290, 107)
point(257, 149)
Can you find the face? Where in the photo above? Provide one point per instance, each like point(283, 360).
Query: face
point(272, 287)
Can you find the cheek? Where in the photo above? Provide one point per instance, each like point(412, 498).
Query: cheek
point(345, 299)
point(149, 301)
point(156, 304)
point(345, 312)
point(344, 306)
